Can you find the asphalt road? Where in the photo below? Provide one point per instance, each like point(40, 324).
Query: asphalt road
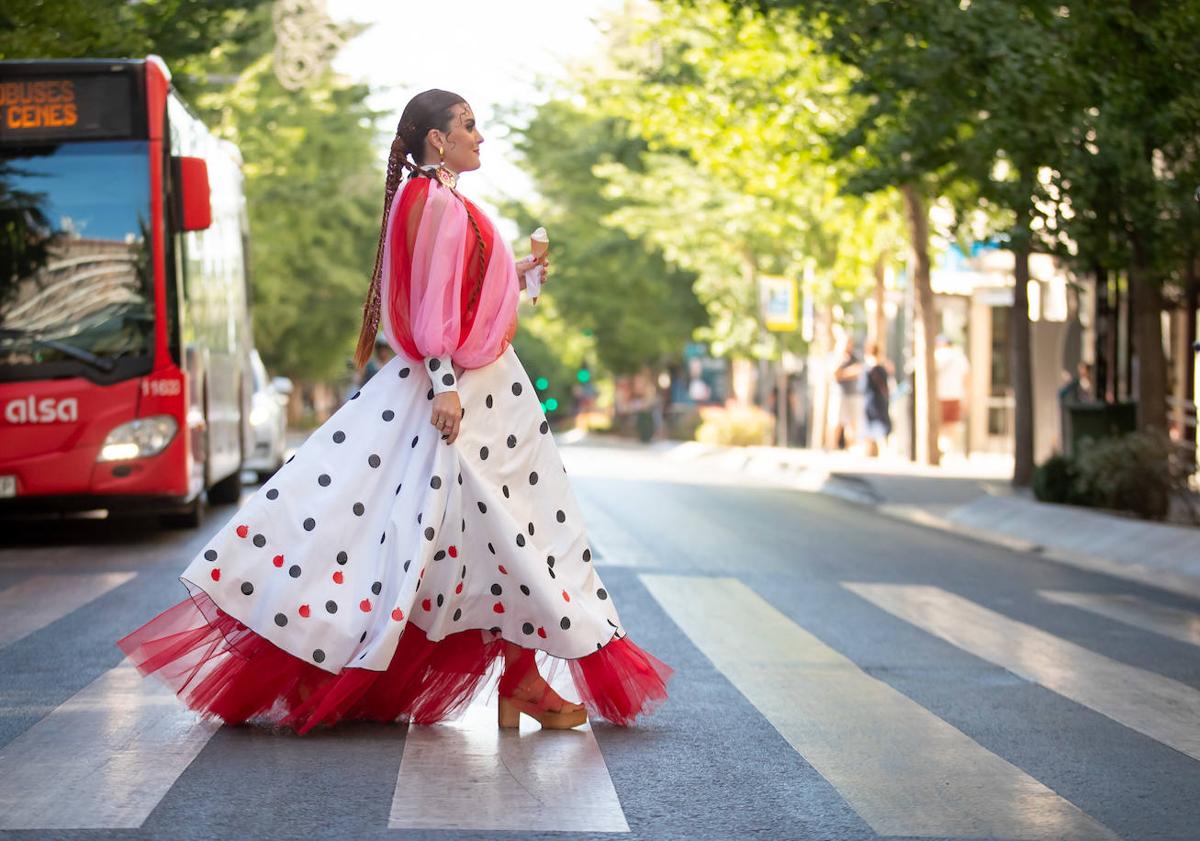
point(839, 676)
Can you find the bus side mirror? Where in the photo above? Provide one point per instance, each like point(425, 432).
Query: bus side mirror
point(195, 193)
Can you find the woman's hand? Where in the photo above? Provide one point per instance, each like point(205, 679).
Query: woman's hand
point(527, 263)
point(447, 415)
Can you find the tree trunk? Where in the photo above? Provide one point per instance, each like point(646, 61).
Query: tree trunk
point(1148, 340)
point(879, 324)
point(928, 414)
point(1022, 372)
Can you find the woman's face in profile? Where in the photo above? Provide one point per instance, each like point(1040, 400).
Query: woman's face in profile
point(463, 140)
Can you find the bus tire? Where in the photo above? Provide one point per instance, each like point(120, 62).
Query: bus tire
point(227, 491)
point(189, 517)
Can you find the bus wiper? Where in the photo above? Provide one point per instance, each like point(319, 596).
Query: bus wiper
point(99, 362)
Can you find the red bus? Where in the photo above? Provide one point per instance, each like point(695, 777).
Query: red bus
point(124, 326)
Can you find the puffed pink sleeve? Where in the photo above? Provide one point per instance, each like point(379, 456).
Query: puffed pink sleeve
point(439, 252)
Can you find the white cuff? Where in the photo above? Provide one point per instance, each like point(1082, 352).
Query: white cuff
point(441, 373)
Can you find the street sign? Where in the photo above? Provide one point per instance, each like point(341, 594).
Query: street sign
point(780, 303)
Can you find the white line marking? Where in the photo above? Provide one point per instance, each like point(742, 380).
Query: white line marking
point(1156, 706)
point(1182, 625)
point(468, 774)
point(101, 760)
point(38, 601)
point(904, 770)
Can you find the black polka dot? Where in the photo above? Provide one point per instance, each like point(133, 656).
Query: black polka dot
point(434, 364)
point(342, 557)
point(435, 482)
point(561, 516)
point(483, 453)
point(406, 564)
point(362, 639)
point(318, 656)
point(377, 587)
point(460, 478)
point(354, 396)
point(414, 441)
point(374, 460)
point(382, 537)
point(516, 389)
point(404, 372)
point(464, 571)
point(527, 627)
point(504, 490)
point(398, 487)
point(587, 554)
point(429, 394)
point(602, 594)
point(440, 599)
point(549, 560)
point(359, 509)
point(565, 623)
point(495, 629)
point(260, 541)
point(457, 614)
point(511, 441)
point(524, 589)
point(545, 427)
point(273, 493)
point(310, 524)
point(447, 379)
point(331, 606)
point(294, 570)
point(491, 548)
point(323, 480)
point(497, 589)
point(439, 554)
point(533, 478)
point(552, 575)
point(489, 401)
point(429, 532)
point(339, 437)
point(280, 619)
point(520, 540)
point(211, 554)
point(530, 529)
point(247, 588)
point(419, 516)
point(482, 510)
point(388, 414)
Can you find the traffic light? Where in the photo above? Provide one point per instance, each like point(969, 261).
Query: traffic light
point(541, 383)
point(583, 374)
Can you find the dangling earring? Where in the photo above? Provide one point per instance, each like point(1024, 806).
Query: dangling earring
point(444, 175)
point(441, 155)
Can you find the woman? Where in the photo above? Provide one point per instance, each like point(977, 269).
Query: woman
point(427, 529)
point(876, 409)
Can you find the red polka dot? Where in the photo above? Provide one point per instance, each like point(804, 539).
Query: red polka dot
point(453, 552)
point(458, 589)
point(541, 632)
point(216, 575)
point(565, 596)
point(338, 578)
point(503, 571)
point(242, 531)
point(365, 605)
point(427, 604)
point(304, 611)
point(397, 614)
point(497, 608)
point(277, 560)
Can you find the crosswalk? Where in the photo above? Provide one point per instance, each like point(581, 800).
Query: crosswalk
point(107, 757)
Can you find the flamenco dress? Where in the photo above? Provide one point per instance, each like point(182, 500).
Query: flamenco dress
point(379, 573)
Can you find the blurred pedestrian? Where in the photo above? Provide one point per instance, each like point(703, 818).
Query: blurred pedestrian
point(349, 586)
point(953, 371)
point(846, 408)
point(877, 397)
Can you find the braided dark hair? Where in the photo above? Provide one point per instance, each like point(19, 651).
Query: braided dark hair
point(427, 110)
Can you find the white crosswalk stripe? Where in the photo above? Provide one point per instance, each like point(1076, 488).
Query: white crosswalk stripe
point(1182, 625)
point(904, 770)
point(103, 759)
point(1156, 706)
point(42, 599)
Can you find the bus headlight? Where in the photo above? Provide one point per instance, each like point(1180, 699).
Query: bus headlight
point(139, 438)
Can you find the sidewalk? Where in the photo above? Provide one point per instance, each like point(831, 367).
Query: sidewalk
point(973, 498)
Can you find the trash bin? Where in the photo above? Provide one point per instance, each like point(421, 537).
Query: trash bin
point(1101, 420)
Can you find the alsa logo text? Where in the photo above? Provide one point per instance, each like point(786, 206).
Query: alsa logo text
point(46, 410)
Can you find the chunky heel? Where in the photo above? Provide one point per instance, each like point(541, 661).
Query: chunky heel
point(508, 715)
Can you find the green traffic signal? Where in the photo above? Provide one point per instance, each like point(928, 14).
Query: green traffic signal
point(551, 404)
point(541, 383)
point(584, 375)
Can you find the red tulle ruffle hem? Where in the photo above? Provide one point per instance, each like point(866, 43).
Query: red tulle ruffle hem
point(222, 669)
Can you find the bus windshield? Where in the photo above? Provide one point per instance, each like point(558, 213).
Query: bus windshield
point(76, 284)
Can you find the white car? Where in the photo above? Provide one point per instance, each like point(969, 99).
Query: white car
point(268, 420)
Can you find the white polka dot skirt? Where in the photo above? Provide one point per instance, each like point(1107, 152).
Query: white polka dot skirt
point(377, 525)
